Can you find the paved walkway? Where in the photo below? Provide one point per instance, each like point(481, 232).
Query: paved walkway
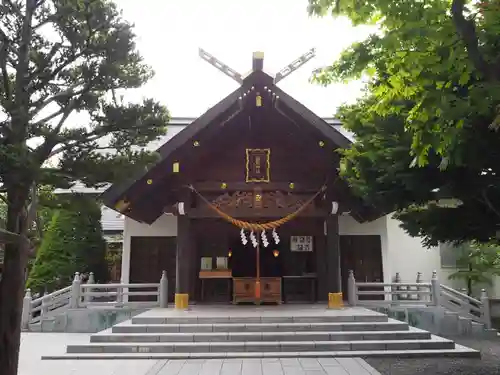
point(34, 345)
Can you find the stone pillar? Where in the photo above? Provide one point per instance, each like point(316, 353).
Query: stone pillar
point(333, 280)
point(185, 260)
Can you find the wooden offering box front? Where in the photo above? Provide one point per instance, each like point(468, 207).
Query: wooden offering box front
point(244, 290)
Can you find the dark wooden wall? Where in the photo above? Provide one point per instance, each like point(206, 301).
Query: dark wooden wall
point(363, 255)
point(295, 154)
point(149, 256)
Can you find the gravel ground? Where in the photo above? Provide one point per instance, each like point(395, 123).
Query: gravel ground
point(489, 364)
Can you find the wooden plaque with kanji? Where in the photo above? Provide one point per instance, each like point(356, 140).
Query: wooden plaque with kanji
point(258, 164)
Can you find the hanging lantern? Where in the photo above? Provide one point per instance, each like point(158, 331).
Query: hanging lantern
point(276, 253)
point(258, 100)
point(230, 253)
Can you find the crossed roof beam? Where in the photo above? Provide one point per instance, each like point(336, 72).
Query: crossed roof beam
point(238, 77)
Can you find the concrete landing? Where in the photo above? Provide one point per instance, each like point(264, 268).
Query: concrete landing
point(33, 345)
point(233, 313)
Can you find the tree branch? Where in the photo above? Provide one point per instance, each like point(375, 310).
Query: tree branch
point(70, 92)
point(90, 137)
point(4, 50)
point(33, 206)
point(49, 117)
point(14, 8)
point(467, 31)
point(484, 194)
point(45, 149)
point(22, 96)
point(39, 227)
point(67, 146)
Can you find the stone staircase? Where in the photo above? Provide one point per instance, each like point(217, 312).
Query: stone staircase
point(236, 332)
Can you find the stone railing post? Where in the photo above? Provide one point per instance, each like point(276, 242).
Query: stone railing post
point(435, 289)
point(351, 289)
point(419, 281)
point(119, 296)
point(91, 280)
point(163, 290)
point(485, 309)
point(26, 314)
point(45, 305)
point(76, 292)
point(395, 288)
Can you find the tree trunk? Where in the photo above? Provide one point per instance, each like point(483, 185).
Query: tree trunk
point(12, 283)
point(469, 281)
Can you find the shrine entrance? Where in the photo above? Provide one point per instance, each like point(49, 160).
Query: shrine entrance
point(243, 260)
point(256, 267)
point(289, 271)
point(254, 189)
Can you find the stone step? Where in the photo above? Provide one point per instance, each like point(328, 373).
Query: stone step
point(388, 325)
point(144, 319)
point(262, 346)
point(458, 351)
point(412, 334)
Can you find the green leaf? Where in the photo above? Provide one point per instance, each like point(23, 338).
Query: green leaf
point(464, 78)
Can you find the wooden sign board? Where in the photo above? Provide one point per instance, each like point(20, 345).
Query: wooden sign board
point(258, 164)
point(301, 243)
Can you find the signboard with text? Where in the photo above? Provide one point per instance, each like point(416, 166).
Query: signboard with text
point(301, 243)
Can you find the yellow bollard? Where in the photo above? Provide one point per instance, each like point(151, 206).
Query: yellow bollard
point(181, 301)
point(335, 301)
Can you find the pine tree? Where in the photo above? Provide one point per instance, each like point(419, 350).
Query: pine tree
point(58, 59)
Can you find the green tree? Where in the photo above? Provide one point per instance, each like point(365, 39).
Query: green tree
point(65, 66)
point(73, 242)
point(424, 126)
point(377, 166)
point(477, 264)
point(439, 55)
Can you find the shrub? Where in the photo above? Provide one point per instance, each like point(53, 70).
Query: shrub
point(72, 242)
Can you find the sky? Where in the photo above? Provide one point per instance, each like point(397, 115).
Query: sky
point(169, 33)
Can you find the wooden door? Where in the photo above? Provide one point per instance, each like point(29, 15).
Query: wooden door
point(363, 255)
point(149, 256)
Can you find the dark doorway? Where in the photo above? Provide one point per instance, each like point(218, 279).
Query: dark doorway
point(149, 256)
point(363, 255)
point(243, 261)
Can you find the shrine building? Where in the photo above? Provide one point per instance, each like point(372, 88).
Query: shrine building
point(245, 205)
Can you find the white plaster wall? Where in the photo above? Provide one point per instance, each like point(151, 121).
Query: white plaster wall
point(408, 256)
point(165, 225)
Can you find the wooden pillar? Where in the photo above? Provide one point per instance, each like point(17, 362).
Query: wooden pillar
point(321, 270)
point(185, 261)
point(333, 280)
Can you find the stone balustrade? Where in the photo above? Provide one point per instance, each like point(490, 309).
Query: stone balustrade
point(92, 295)
point(419, 293)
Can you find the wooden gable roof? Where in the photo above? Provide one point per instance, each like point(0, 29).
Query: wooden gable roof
point(118, 195)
